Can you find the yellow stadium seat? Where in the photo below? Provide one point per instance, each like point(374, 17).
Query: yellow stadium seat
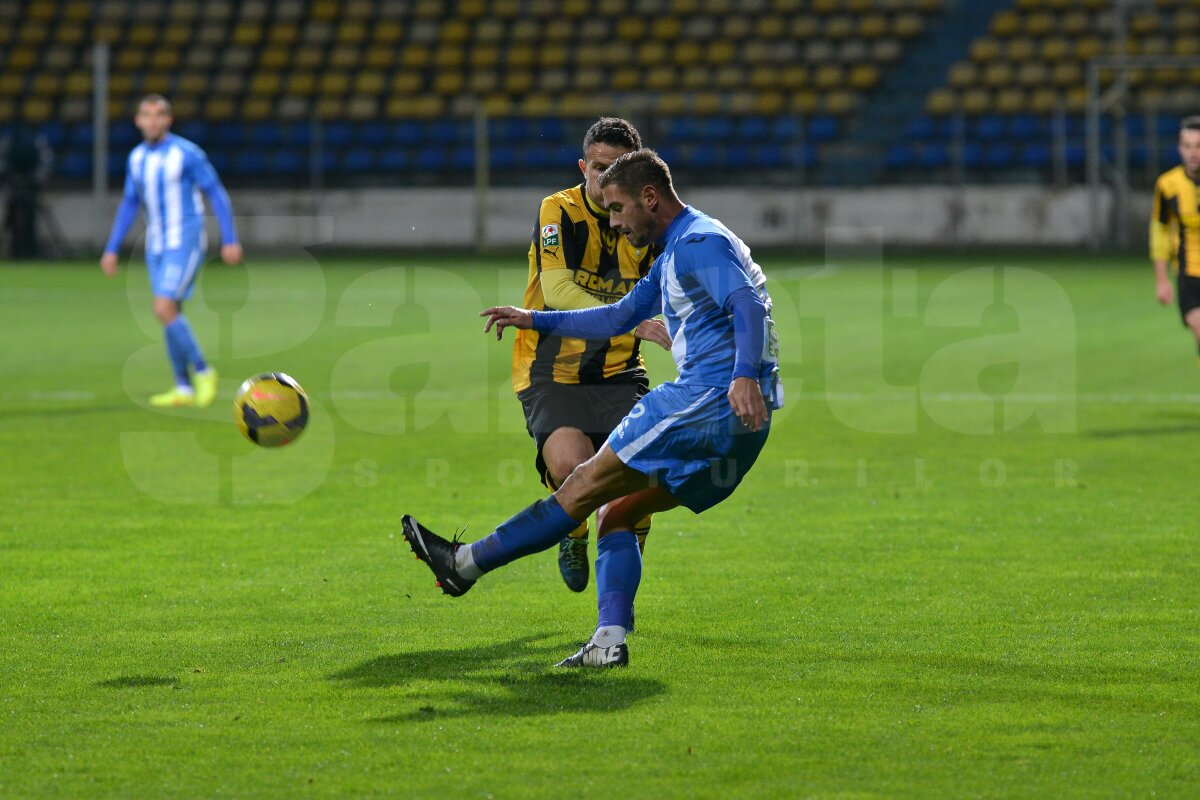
point(1089, 47)
point(1067, 74)
point(1044, 100)
point(985, 49)
point(839, 27)
point(1032, 74)
point(696, 77)
point(685, 8)
point(11, 85)
point(840, 102)
point(472, 9)
point(323, 10)
point(1011, 100)
point(720, 52)
point(687, 53)
point(666, 28)
point(1144, 22)
point(590, 79)
point(553, 80)
point(107, 32)
point(828, 76)
point(707, 103)
point(176, 35)
point(523, 55)
point(525, 30)
point(328, 108)
point(1076, 100)
point(864, 77)
point(519, 82)
point(45, 84)
point(873, 26)
point(627, 79)
point(485, 56)
point(274, 58)
point(407, 83)
point(224, 83)
point(301, 83)
point(660, 78)
point(247, 33)
point(78, 83)
point(387, 31)
point(455, 31)
point(220, 108)
point(1076, 23)
point(787, 6)
point(483, 82)
point(282, 33)
point(941, 102)
point(498, 105)
point(730, 77)
point(379, 57)
point(962, 75)
point(827, 7)
point(631, 28)
point(75, 109)
point(1187, 45)
point(488, 31)
point(122, 83)
point(554, 55)
point(127, 59)
point(805, 101)
point(78, 11)
point(414, 56)
point(266, 83)
point(346, 57)
point(449, 83)
point(257, 109)
point(362, 107)
point(503, 9)
point(1040, 23)
point(582, 8)
point(1056, 49)
point(370, 82)
point(769, 27)
point(165, 59)
point(539, 105)
point(792, 76)
point(8, 110)
point(732, 27)
point(977, 101)
point(907, 26)
point(997, 74)
point(651, 53)
point(37, 110)
point(770, 103)
point(804, 27)
point(351, 32)
point(1006, 23)
point(580, 105)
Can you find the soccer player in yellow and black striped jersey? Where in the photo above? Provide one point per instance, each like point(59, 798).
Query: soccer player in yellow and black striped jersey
point(1175, 228)
point(575, 391)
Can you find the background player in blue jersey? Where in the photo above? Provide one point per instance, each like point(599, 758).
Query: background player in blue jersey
point(688, 442)
point(165, 175)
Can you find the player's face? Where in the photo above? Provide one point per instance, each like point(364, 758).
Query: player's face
point(153, 121)
point(629, 215)
point(1189, 151)
point(597, 158)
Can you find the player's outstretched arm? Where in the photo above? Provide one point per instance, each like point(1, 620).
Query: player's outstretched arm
point(502, 317)
point(126, 213)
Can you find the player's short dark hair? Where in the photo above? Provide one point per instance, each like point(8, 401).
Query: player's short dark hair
point(1190, 123)
point(633, 171)
point(156, 99)
point(613, 131)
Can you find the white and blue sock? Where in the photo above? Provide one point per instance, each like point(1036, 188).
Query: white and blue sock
point(618, 573)
point(538, 527)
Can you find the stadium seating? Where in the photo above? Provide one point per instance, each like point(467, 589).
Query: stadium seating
point(756, 80)
point(1020, 95)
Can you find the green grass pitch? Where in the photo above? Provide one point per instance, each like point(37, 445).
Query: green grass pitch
point(965, 565)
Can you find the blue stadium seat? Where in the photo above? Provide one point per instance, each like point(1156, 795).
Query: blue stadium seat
point(785, 129)
point(705, 156)
point(1076, 155)
point(972, 155)
point(901, 157)
point(682, 130)
point(123, 136)
point(193, 129)
point(289, 162)
point(297, 134)
point(668, 152)
point(514, 130)
point(716, 130)
point(80, 135)
point(338, 134)
point(448, 131)
point(226, 135)
point(551, 129)
point(822, 129)
point(1001, 156)
point(920, 129)
point(751, 130)
point(1036, 155)
point(768, 156)
point(1026, 127)
point(989, 128)
point(75, 164)
point(394, 159)
point(502, 157)
point(462, 158)
point(250, 162)
point(934, 156)
point(1138, 156)
point(408, 133)
point(116, 164)
point(55, 133)
point(431, 159)
point(264, 134)
point(1135, 125)
point(1166, 125)
point(221, 160)
point(358, 159)
point(372, 134)
point(737, 156)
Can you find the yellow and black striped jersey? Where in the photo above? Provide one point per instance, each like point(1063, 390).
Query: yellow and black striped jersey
point(572, 233)
point(1177, 216)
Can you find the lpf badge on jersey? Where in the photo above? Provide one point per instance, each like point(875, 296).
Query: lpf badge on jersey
point(550, 235)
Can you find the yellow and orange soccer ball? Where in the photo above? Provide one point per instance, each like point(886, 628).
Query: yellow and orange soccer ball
point(271, 409)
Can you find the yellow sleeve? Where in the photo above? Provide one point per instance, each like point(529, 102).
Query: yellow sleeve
point(1160, 226)
point(551, 248)
point(563, 294)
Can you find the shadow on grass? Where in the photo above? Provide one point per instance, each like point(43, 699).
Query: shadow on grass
point(135, 681)
point(512, 678)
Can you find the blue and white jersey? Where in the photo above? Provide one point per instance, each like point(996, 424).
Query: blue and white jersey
point(702, 264)
point(168, 179)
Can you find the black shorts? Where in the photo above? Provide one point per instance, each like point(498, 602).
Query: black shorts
point(1188, 291)
point(594, 409)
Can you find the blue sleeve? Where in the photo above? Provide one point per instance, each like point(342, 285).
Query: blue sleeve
point(643, 302)
point(712, 262)
point(749, 330)
point(126, 214)
point(206, 178)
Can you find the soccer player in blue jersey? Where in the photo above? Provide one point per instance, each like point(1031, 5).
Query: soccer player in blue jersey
point(688, 442)
point(165, 175)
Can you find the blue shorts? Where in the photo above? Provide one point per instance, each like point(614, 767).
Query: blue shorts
point(689, 441)
point(173, 272)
